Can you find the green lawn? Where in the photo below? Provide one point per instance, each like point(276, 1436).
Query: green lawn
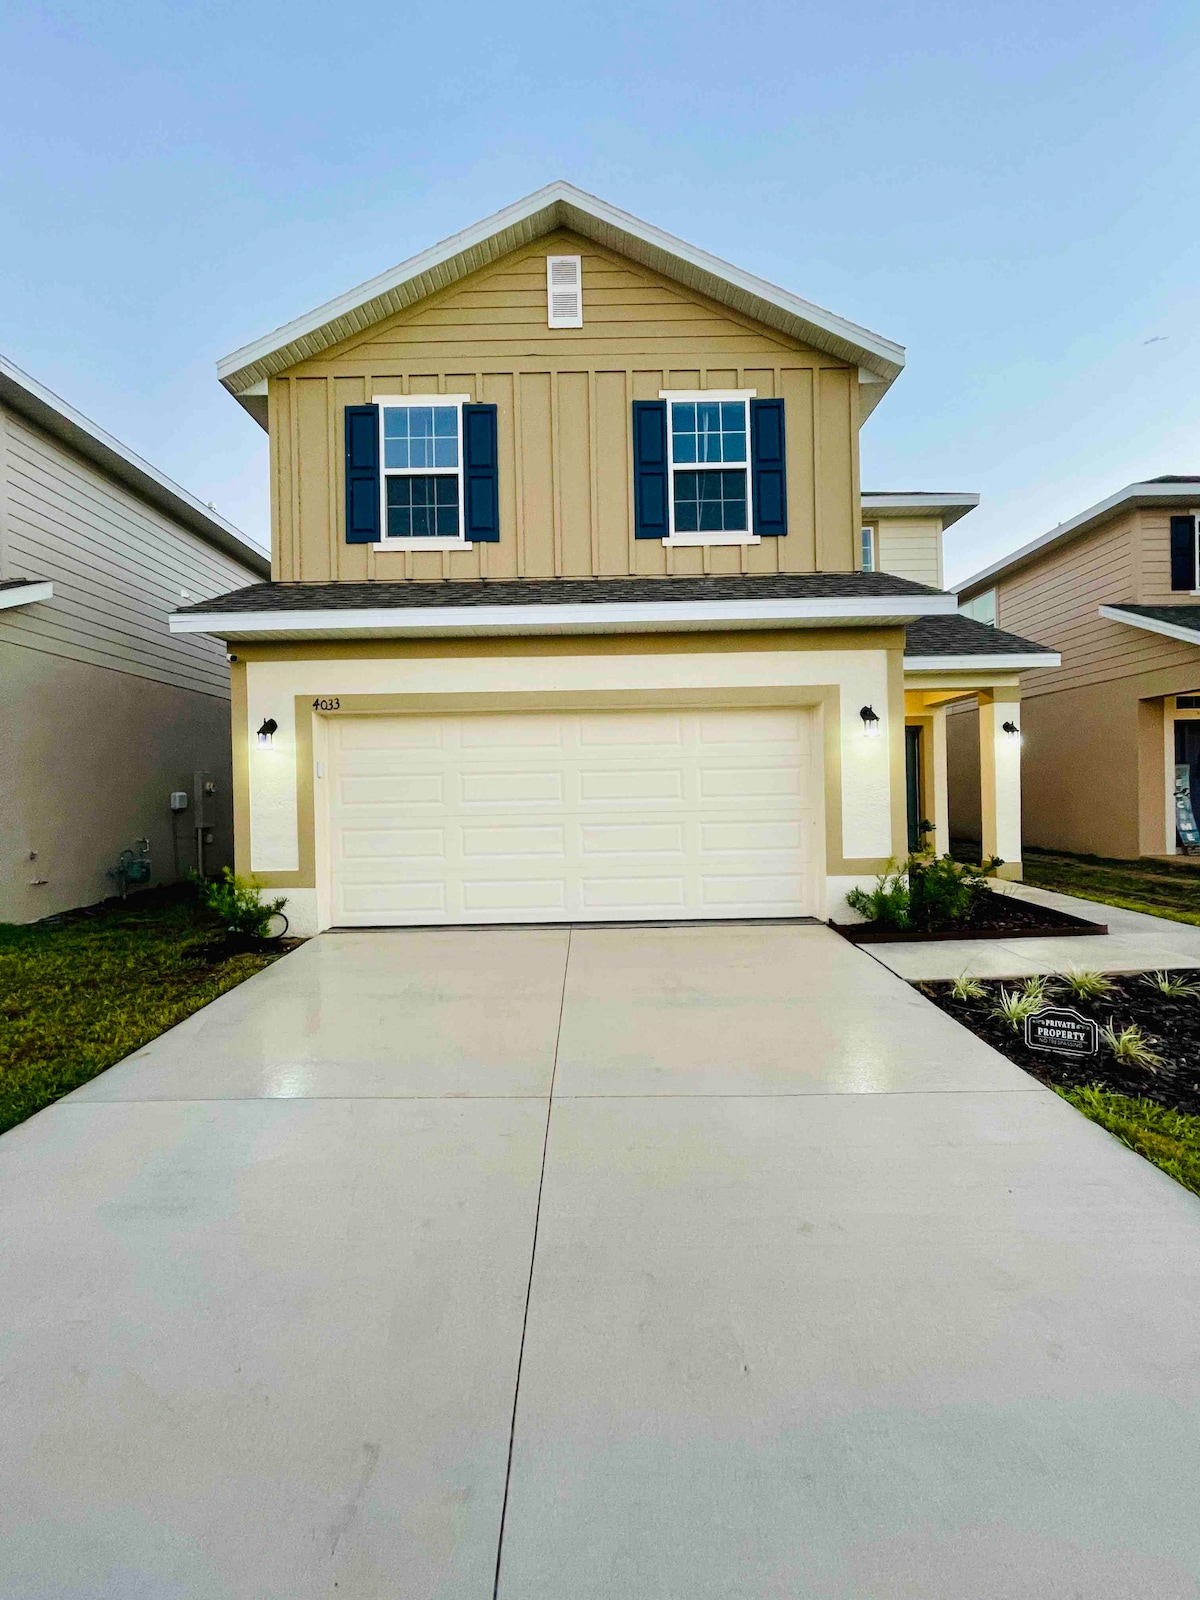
point(1156, 887)
point(79, 996)
point(1167, 1138)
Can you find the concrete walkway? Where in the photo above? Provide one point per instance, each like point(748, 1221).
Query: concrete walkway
point(704, 1262)
point(1134, 942)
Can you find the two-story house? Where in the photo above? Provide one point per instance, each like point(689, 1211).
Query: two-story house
point(114, 733)
point(1113, 737)
point(576, 611)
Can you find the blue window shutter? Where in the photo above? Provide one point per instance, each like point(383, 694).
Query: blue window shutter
point(481, 474)
point(1183, 553)
point(362, 474)
point(650, 520)
point(769, 468)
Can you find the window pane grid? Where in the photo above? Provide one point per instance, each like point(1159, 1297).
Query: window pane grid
point(422, 507)
point(708, 432)
point(416, 438)
point(710, 502)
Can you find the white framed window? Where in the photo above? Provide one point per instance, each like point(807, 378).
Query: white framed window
point(420, 481)
point(870, 558)
point(564, 291)
point(981, 606)
point(708, 466)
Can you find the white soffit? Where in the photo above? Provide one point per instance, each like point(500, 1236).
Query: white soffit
point(558, 205)
point(918, 503)
point(657, 616)
point(997, 663)
point(1169, 630)
point(24, 594)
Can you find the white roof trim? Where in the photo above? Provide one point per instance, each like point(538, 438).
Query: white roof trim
point(558, 205)
point(1169, 630)
point(48, 411)
point(653, 615)
point(996, 663)
point(25, 594)
point(1133, 495)
point(950, 507)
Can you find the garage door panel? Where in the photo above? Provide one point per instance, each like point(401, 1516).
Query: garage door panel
point(582, 816)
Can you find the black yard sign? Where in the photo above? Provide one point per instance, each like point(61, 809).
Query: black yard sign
point(1064, 1031)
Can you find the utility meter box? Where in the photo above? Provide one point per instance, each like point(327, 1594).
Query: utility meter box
point(179, 800)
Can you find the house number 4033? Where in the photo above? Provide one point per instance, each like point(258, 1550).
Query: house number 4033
point(327, 705)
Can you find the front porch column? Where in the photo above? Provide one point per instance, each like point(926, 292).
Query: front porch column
point(1000, 777)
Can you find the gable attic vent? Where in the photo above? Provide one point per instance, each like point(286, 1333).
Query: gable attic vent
point(564, 291)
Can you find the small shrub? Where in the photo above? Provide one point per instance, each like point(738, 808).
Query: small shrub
point(1131, 1047)
point(1038, 988)
point(887, 903)
point(1174, 988)
point(240, 905)
point(944, 891)
point(1086, 985)
point(1012, 1006)
point(967, 988)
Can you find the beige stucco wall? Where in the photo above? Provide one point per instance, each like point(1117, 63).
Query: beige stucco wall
point(564, 401)
point(278, 806)
point(91, 756)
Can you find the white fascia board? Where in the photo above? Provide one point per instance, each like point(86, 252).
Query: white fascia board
point(950, 507)
point(25, 594)
point(658, 614)
point(1169, 630)
point(996, 663)
point(559, 204)
point(1127, 499)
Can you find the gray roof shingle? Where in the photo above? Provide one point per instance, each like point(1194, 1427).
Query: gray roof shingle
point(1181, 616)
point(963, 636)
point(558, 591)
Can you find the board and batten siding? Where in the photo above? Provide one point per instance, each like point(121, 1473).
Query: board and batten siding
point(1056, 601)
point(911, 547)
point(564, 399)
point(118, 567)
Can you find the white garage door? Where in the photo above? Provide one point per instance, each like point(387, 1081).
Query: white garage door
point(588, 816)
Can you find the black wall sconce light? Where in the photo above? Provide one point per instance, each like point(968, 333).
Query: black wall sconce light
point(1011, 729)
point(870, 721)
point(266, 732)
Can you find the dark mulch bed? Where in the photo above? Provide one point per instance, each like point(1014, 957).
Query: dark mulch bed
point(1171, 1025)
point(993, 916)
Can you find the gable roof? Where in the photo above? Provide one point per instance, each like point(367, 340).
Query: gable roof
point(1169, 490)
point(558, 205)
point(47, 411)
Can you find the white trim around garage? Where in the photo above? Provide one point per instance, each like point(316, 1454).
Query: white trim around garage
point(657, 615)
point(25, 594)
point(1169, 630)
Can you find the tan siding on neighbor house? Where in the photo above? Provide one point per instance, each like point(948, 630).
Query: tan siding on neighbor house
point(118, 566)
point(563, 398)
point(1056, 601)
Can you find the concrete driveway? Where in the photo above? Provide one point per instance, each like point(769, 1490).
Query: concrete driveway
point(702, 1262)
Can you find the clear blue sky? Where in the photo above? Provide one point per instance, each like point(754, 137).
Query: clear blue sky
point(1010, 190)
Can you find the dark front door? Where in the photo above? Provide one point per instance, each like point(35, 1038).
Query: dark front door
point(1187, 783)
point(912, 773)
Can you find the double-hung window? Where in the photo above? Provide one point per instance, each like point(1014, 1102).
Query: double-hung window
point(421, 451)
point(869, 562)
point(708, 458)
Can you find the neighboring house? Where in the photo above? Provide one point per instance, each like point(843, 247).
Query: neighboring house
point(105, 715)
point(568, 619)
point(1117, 591)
